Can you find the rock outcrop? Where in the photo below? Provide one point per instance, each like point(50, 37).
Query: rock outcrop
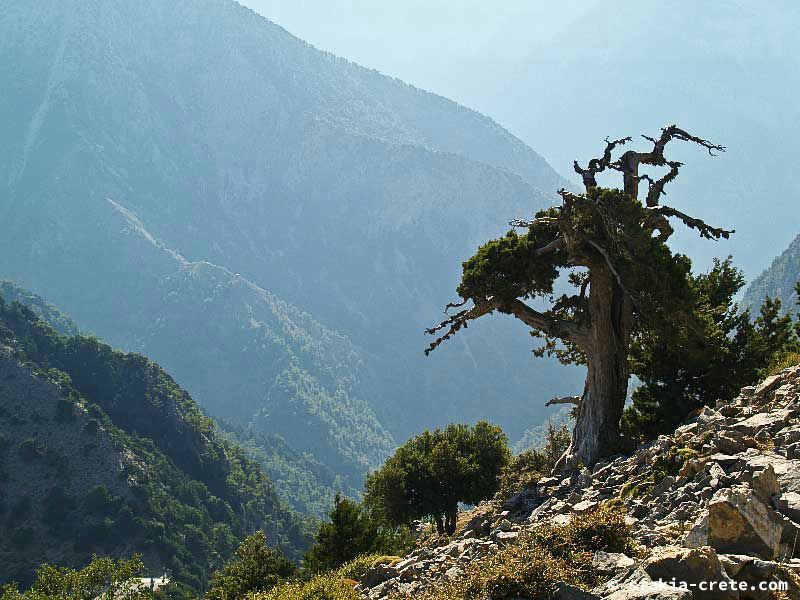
point(715, 508)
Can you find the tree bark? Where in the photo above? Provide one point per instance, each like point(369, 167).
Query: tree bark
point(597, 434)
point(439, 524)
point(452, 519)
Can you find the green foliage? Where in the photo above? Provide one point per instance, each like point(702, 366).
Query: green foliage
point(358, 567)
point(102, 579)
point(781, 361)
point(509, 268)
point(353, 530)
point(527, 467)
point(255, 568)
point(328, 586)
point(539, 560)
point(196, 494)
point(709, 354)
point(303, 482)
point(431, 473)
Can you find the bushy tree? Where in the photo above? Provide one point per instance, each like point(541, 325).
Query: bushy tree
point(353, 530)
point(102, 579)
point(613, 246)
point(255, 568)
point(706, 357)
point(430, 474)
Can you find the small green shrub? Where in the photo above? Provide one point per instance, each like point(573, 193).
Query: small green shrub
point(357, 568)
point(322, 587)
point(431, 473)
point(353, 530)
point(100, 502)
point(255, 568)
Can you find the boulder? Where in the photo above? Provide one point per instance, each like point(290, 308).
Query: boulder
point(584, 506)
point(688, 566)
point(769, 384)
point(739, 522)
point(762, 480)
point(786, 471)
point(789, 505)
point(609, 563)
point(759, 421)
point(752, 571)
point(698, 534)
point(506, 537)
point(377, 575)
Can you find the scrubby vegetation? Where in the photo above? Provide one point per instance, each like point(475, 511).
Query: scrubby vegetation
point(430, 474)
point(352, 530)
point(539, 560)
point(255, 568)
point(102, 579)
point(329, 586)
point(194, 494)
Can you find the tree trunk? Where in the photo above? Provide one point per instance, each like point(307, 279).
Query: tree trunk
point(439, 524)
point(596, 434)
point(452, 519)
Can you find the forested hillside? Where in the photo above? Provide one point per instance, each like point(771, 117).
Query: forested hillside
point(102, 452)
point(274, 225)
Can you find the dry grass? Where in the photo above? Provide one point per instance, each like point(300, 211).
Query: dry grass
point(539, 560)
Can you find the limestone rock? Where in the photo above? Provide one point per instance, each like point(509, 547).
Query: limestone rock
point(740, 523)
point(611, 562)
point(691, 566)
point(789, 505)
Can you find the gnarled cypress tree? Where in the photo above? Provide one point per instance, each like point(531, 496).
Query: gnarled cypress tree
point(614, 246)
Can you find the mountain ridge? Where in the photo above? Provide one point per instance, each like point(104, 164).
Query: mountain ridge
point(103, 452)
point(343, 193)
point(777, 281)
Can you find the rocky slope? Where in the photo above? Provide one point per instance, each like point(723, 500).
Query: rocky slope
point(717, 501)
point(101, 452)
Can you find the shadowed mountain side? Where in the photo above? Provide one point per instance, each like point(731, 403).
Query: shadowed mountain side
point(225, 141)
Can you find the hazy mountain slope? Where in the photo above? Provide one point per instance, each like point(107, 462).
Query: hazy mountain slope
point(103, 453)
point(253, 358)
point(340, 191)
point(777, 281)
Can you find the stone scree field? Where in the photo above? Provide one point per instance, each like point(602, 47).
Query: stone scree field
point(718, 500)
